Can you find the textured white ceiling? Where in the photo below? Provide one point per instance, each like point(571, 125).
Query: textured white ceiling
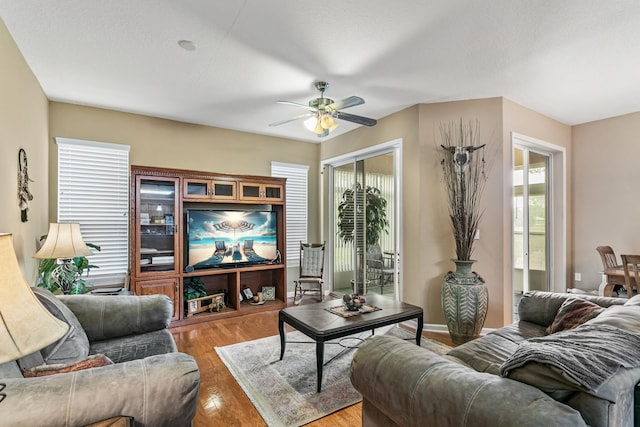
point(574, 61)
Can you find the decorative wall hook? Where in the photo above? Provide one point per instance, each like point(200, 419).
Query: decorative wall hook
point(24, 196)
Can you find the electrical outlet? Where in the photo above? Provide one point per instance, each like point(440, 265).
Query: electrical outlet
point(578, 277)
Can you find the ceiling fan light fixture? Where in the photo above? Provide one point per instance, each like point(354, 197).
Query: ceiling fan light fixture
point(327, 122)
point(311, 123)
point(322, 112)
point(319, 130)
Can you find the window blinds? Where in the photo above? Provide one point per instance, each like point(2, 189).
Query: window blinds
point(93, 190)
point(296, 206)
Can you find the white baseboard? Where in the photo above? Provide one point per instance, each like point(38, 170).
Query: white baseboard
point(436, 327)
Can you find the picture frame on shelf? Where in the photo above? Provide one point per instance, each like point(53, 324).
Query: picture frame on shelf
point(247, 294)
point(269, 293)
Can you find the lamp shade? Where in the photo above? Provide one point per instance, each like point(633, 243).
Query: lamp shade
point(25, 324)
point(64, 240)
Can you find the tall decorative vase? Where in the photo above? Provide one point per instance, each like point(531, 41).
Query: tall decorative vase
point(465, 300)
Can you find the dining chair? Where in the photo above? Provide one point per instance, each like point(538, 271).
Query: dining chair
point(311, 271)
point(613, 272)
point(631, 265)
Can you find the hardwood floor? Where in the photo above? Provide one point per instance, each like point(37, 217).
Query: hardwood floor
point(222, 401)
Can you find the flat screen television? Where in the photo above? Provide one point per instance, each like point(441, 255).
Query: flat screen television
point(226, 238)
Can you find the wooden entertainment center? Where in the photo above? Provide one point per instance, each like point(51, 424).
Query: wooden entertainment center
point(159, 201)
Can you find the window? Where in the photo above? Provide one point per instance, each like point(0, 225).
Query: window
point(93, 190)
point(296, 206)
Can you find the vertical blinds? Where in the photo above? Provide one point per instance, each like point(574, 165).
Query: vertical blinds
point(343, 180)
point(93, 190)
point(296, 206)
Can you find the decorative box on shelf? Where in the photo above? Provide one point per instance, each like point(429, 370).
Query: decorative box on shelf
point(213, 302)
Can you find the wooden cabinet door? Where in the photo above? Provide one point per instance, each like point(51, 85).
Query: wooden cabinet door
point(223, 190)
point(261, 192)
point(157, 217)
point(169, 287)
point(206, 189)
point(197, 189)
point(273, 192)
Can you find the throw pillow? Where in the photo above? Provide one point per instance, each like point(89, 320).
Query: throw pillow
point(74, 345)
point(572, 313)
point(625, 317)
point(95, 361)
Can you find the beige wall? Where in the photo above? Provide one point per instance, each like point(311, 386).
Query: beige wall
point(427, 245)
point(427, 242)
point(402, 125)
point(166, 143)
point(521, 120)
point(434, 238)
point(171, 144)
point(23, 124)
point(605, 193)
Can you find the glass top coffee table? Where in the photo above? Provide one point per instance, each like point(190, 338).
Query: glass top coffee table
point(320, 325)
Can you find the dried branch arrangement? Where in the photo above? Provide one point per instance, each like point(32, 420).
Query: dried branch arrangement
point(464, 175)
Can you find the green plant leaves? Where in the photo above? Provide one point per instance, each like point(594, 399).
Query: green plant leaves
point(375, 213)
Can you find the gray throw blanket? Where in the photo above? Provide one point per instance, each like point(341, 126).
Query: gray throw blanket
point(588, 355)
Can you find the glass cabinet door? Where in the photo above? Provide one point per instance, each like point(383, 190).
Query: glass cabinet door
point(157, 225)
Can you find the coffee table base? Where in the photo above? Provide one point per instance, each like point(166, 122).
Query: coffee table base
point(295, 317)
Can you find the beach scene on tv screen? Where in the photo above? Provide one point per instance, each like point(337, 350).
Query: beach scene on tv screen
point(218, 238)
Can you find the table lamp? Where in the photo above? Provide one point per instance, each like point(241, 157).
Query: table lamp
point(25, 324)
point(64, 242)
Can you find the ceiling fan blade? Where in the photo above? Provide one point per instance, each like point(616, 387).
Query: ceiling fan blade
point(345, 103)
point(296, 104)
point(301, 116)
point(355, 119)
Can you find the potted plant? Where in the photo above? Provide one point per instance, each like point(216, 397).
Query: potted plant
point(465, 296)
point(376, 221)
point(193, 288)
point(375, 218)
point(76, 269)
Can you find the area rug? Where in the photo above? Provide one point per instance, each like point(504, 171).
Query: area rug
point(284, 392)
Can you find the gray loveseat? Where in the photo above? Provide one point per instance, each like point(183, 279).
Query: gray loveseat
point(405, 385)
point(148, 380)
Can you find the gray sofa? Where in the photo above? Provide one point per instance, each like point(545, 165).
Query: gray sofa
point(148, 380)
point(406, 385)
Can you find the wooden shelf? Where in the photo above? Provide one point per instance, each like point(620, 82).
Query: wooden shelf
point(228, 312)
point(224, 270)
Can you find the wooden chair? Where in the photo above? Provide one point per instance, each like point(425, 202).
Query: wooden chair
point(631, 266)
point(613, 272)
point(311, 270)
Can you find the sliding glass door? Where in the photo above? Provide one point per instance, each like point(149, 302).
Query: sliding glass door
point(531, 225)
point(365, 249)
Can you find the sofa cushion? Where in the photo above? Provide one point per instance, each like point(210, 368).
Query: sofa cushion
point(626, 317)
point(74, 345)
point(95, 361)
point(488, 353)
point(541, 307)
point(572, 313)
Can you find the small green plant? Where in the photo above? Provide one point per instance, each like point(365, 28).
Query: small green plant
point(194, 288)
point(375, 214)
point(74, 272)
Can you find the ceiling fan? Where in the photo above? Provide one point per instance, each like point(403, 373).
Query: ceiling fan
point(323, 111)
